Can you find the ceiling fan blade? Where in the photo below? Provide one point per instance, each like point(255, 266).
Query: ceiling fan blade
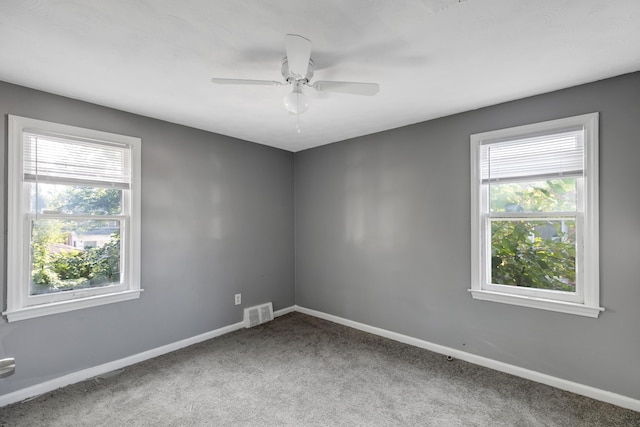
point(246, 82)
point(298, 54)
point(353, 88)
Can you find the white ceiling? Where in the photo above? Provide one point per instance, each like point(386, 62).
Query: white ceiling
point(431, 58)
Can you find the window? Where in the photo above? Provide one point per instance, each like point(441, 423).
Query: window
point(73, 218)
point(534, 215)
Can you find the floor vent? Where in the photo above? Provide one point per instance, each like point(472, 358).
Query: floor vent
point(259, 314)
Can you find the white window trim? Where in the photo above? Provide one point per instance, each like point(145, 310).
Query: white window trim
point(589, 305)
point(17, 265)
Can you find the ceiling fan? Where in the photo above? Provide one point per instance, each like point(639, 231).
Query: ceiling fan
point(297, 70)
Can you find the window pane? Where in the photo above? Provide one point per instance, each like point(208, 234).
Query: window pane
point(72, 199)
point(68, 255)
point(534, 253)
point(556, 195)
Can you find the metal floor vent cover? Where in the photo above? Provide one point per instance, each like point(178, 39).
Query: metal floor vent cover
point(257, 315)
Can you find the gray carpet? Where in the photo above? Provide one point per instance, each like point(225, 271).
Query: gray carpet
point(303, 371)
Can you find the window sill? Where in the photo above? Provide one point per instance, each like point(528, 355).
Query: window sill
point(540, 303)
point(69, 305)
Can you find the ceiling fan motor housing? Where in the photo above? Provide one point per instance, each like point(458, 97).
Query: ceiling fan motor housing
point(291, 77)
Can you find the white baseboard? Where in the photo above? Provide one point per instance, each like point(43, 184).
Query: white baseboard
point(284, 311)
point(85, 374)
point(74, 377)
point(584, 390)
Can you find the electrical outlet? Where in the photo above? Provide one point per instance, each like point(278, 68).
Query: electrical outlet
point(238, 299)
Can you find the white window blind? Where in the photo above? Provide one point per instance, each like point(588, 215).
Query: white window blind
point(75, 161)
point(560, 154)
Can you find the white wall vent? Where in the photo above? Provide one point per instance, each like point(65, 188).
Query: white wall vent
point(259, 314)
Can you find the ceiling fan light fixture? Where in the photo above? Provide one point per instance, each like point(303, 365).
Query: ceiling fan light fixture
point(296, 102)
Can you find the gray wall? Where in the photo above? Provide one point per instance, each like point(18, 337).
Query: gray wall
point(217, 219)
point(383, 237)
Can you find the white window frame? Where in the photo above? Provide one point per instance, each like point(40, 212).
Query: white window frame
point(586, 300)
point(21, 305)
